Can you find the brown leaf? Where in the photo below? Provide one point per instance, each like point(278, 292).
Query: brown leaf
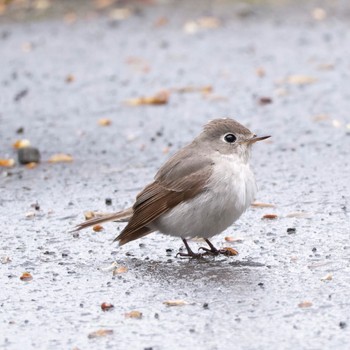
point(175, 302)
point(100, 333)
point(160, 98)
point(305, 304)
point(97, 228)
point(133, 314)
point(60, 157)
point(7, 162)
point(107, 306)
point(270, 216)
point(104, 122)
point(21, 144)
point(26, 276)
point(262, 205)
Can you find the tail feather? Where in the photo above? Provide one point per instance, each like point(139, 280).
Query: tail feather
point(124, 238)
point(120, 216)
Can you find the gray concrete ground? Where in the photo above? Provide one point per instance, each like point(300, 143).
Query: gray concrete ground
point(284, 290)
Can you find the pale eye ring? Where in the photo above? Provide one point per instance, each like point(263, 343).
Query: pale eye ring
point(230, 138)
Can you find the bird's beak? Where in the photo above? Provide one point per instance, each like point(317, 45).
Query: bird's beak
point(256, 138)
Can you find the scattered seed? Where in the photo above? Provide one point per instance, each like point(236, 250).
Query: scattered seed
point(133, 314)
point(60, 157)
point(104, 122)
point(107, 306)
point(305, 304)
point(100, 333)
point(270, 216)
point(175, 302)
point(26, 276)
point(97, 228)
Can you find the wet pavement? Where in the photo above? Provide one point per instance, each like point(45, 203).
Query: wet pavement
point(287, 289)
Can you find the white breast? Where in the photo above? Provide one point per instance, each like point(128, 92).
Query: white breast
point(231, 190)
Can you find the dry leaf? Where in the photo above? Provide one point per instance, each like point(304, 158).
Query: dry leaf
point(60, 157)
point(7, 162)
point(305, 304)
point(262, 205)
point(26, 276)
point(120, 269)
point(97, 228)
point(328, 277)
point(160, 98)
point(270, 216)
point(229, 251)
point(175, 302)
point(133, 314)
point(104, 122)
point(100, 333)
point(107, 306)
point(300, 80)
point(21, 144)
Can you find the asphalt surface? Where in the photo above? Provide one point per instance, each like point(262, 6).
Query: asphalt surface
point(59, 76)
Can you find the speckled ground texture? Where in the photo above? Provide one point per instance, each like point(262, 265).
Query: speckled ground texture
point(251, 301)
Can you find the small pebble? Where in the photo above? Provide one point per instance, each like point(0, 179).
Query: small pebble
point(291, 230)
point(314, 250)
point(342, 325)
point(205, 306)
point(28, 155)
point(108, 201)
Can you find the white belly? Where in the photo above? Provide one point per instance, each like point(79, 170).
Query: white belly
point(231, 190)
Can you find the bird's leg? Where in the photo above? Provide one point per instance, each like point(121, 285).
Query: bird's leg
point(190, 253)
point(215, 251)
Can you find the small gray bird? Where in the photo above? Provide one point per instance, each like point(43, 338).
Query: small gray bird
point(199, 192)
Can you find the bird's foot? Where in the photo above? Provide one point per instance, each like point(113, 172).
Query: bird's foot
point(227, 251)
point(191, 255)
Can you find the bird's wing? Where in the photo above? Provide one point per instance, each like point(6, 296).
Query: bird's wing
point(175, 182)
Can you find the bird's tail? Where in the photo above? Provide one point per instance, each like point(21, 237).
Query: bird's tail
point(120, 216)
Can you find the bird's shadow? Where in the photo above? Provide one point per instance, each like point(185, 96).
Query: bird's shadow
point(181, 272)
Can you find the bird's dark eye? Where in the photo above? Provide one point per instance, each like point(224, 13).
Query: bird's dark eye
point(230, 138)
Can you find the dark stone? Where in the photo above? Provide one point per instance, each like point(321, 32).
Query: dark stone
point(342, 325)
point(28, 155)
point(108, 201)
point(291, 230)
